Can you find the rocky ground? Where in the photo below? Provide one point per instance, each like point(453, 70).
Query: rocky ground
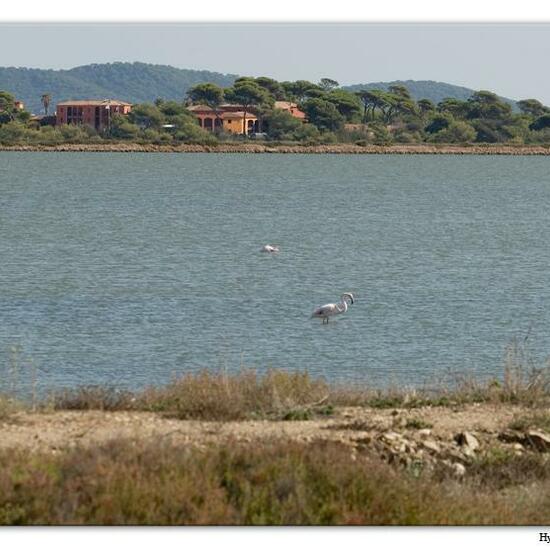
point(339, 148)
point(430, 436)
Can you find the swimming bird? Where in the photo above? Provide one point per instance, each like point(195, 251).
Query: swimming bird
point(328, 310)
point(270, 248)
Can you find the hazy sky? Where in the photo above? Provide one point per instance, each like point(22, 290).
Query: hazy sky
point(510, 59)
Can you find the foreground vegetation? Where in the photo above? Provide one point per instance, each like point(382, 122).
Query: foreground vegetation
point(279, 448)
point(334, 114)
point(276, 483)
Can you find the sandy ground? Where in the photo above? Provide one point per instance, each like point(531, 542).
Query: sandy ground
point(64, 429)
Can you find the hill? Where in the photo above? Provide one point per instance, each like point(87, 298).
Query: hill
point(133, 82)
point(425, 89)
point(144, 82)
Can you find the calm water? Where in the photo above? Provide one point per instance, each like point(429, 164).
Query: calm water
point(126, 269)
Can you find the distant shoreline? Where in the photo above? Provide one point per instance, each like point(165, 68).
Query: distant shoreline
point(404, 149)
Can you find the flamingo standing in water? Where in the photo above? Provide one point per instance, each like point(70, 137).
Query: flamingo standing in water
point(329, 310)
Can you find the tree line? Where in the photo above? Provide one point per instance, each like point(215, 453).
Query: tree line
point(333, 113)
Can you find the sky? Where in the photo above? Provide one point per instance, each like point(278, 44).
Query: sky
point(510, 59)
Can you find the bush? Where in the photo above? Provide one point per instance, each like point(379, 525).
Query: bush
point(154, 136)
point(456, 132)
point(122, 128)
point(129, 482)
point(281, 124)
point(403, 136)
point(306, 133)
point(244, 395)
point(382, 136)
point(190, 132)
point(438, 123)
point(12, 133)
point(74, 134)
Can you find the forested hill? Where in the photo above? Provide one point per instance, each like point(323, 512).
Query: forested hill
point(132, 82)
point(425, 89)
point(144, 82)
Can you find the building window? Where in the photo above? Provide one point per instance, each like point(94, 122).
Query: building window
point(75, 115)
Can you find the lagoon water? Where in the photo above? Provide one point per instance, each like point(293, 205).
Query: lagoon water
point(127, 269)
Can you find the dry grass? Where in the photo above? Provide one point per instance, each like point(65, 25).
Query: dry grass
point(275, 483)
point(522, 383)
point(278, 394)
point(498, 469)
point(214, 396)
point(8, 406)
point(537, 421)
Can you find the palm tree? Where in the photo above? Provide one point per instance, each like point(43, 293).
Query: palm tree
point(46, 98)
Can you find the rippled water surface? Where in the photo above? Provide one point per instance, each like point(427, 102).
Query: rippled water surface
point(129, 268)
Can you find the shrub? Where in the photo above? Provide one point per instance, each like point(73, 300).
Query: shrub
point(456, 132)
point(13, 132)
point(306, 133)
point(189, 132)
point(271, 483)
point(281, 124)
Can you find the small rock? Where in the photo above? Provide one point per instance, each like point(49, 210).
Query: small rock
point(468, 452)
point(402, 448)
point(518, 446)
point(390, 437)
point(458, 469)
point(539, 440)
point(466, 439)
point(424, 433)
point(431, 445)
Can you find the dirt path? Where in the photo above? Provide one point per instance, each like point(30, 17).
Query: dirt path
point(62, 429)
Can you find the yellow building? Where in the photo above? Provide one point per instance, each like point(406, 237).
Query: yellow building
point(231, 119)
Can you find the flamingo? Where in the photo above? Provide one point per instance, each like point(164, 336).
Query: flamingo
point(270, 248)
point(328, 310)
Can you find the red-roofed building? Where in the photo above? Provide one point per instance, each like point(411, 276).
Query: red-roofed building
point(291, 108)
point(96, 113)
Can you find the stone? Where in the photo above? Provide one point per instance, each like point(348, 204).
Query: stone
point(468, 452)
point(424, 433)
point(466, 439)
point(456, 454)
point(538, 440)
point(431, 445)
point(390, 437)
point(402, 448)
point(458, 469)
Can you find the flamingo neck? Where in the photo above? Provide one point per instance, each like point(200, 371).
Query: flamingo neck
point(343, 304)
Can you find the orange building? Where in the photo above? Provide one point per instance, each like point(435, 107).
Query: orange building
point(96, 113)
point(292, 108)
point(230, 118)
